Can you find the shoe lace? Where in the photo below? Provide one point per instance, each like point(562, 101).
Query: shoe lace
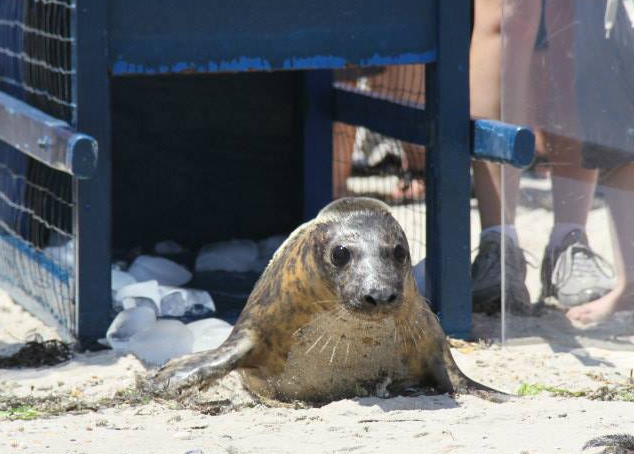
point(586, 265)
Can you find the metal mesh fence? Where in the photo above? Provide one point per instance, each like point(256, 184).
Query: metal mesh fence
point(35, 54)
point(370, 164)
point(36, 202)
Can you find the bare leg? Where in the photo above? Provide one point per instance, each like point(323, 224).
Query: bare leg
point(485, 91)
point(488, 190)
point(573, 185)
point(619, 193)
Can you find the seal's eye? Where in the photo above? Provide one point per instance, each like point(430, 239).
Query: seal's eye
point(400, 254)
point(340, 255)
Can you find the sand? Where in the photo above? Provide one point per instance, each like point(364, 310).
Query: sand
point(545, 350)
point(439, 424)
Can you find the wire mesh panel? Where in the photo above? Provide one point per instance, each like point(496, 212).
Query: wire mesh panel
point(37, 240)
point(36, 235)
point(367, 163)
point(35, 54)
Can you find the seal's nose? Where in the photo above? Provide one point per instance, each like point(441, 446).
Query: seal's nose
point(380, 297)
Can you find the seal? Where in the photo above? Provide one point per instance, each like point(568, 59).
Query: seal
point(336, 314)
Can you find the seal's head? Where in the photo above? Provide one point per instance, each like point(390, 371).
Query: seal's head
point(364, 253)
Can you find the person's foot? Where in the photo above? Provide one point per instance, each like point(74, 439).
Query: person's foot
point(486, 277)
point(574, 274)
point(600, 309)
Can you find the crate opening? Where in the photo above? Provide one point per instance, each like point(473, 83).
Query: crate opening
point(201, 159)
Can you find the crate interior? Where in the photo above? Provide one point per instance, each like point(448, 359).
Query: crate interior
point(200, 159)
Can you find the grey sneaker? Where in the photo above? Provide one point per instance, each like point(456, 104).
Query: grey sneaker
point(574, 274)
point(486, 277)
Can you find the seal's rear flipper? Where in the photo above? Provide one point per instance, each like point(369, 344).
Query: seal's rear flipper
point(204, 367)
point(452, 380)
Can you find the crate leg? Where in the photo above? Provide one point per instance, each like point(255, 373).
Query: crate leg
point(92, 223)
point(448, 215)
point(317, 107)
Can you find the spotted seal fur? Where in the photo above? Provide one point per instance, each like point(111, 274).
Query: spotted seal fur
point(335, 314)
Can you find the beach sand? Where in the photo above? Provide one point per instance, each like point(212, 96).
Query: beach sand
point(544, 351)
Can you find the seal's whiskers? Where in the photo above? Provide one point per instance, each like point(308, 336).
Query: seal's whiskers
point(313, 346)
point(326, 344)
point(405, 340)
point(421, 330)
point(326, 301)
point(347, 353)
point(411, 333)
point(319, 318)
point(334, 349)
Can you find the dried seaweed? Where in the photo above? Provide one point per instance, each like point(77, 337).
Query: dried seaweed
point(38, 353)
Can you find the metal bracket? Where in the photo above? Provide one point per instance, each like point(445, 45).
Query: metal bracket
point(47, 139)
point(503, 143)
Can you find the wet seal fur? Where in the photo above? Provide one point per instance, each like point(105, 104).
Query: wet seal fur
point(323, 324)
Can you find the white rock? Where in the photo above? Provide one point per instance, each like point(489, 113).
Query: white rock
point(121, 279)
point(166, 272)
point(166, 339)
point(173, 305)
point(128, 323)
point(139, 301)
point(419, 276)
point(168, 247)
point(148, 290)
point(209, 333)
point(234, 255)
point(175, 301)
point(200, 297)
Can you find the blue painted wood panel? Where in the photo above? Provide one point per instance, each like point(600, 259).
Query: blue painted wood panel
point(92, 213)
point(172, 36)
point(448, 280)
point(390, 117)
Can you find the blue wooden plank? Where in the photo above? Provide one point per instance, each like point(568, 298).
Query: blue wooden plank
point(390, 117)
point(317, 140)
point(171, 36)
point(447, 178)
point(503, 143)
point(92, 221)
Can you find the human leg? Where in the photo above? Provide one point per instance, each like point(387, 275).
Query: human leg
point(571, 272)
point(490, 180)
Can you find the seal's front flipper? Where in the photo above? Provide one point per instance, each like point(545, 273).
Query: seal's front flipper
point(204, 367)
